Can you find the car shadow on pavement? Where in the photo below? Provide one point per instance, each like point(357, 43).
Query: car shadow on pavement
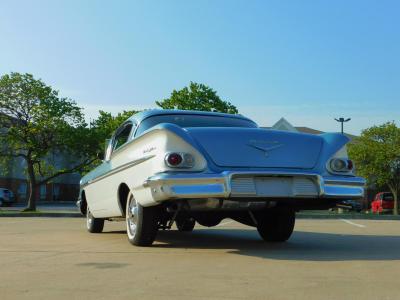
point(307, 246)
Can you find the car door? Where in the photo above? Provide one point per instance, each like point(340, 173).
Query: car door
point(379, 202)
point(374, 203)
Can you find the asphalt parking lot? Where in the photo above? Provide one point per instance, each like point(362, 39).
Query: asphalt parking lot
point(55, 258)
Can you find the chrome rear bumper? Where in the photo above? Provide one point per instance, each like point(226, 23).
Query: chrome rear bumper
point(259, 185)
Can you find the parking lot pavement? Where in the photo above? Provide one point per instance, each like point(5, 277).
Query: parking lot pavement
point(56, 258)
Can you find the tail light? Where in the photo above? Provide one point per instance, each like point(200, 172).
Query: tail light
point(342, 165)
point(340, 162)
point(179, 160)
point(174, 159)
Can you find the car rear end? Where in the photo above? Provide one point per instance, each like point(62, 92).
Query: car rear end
point(205, 167)
point(257, 165)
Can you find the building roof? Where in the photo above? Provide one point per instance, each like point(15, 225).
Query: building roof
point(308, 130)
point(283, 124)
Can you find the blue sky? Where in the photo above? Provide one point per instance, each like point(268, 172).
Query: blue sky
point(308, 61)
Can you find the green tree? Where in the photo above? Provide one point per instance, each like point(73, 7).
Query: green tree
point(104, 126)
point(38, 125)
point(106, 123)
point(197, 97)
point(377, 156)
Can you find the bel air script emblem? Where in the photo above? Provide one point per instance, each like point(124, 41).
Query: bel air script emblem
point(265, 146)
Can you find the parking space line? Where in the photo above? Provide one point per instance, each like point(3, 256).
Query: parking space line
point(352, 223)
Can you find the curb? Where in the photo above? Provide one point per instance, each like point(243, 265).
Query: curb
point(40, 215)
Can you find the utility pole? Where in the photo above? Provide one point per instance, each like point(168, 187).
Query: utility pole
point(342, 120)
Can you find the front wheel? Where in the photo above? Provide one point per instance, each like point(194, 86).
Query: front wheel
point(93, 225)
point(141, 222)
point(276, 225)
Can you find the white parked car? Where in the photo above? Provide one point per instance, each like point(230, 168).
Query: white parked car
point(166, 166)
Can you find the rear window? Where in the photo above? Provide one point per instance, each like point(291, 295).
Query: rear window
point(388, 197)
point(184, 120)
point(6, 191)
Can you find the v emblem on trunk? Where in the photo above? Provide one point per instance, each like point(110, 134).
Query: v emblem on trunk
point(265, 146)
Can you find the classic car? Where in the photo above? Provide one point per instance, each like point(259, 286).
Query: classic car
point(168, 166)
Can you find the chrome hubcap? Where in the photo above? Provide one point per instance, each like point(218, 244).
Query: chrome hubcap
point(132, 216)
point(89, 219)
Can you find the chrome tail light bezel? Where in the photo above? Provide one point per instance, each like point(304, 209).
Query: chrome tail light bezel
point(187, 160)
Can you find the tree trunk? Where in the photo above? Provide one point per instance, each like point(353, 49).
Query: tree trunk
point(395, 203)
point(32, 188)
point(395, 192)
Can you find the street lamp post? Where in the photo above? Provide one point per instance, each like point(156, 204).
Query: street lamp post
point(342, 120)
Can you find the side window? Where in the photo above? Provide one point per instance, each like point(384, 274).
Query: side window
point(388, 197)
point(122, 135)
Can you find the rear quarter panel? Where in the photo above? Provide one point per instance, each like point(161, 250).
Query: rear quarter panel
point(132, 164)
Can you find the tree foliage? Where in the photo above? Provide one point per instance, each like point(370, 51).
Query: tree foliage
point(377, 156)
point(197, 97)
point(106, 123)
point(38, 125)
point(103, 127)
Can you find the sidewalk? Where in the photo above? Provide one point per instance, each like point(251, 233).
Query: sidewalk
point(44, 209)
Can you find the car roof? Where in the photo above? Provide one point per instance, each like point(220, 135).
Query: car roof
point(139, 117)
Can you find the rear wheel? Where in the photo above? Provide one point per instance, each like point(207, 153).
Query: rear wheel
point(141, 222)
point(185, 224)
point(93, 225)
point(276, 225)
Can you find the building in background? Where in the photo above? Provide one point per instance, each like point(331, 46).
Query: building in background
point(283, 124)
point(62, 188)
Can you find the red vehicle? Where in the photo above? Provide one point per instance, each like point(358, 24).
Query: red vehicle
point(383, 202)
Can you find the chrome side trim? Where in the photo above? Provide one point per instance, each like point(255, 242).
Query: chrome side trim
point(119, 169)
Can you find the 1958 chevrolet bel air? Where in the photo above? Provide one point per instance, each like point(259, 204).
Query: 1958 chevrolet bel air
point(166, 166)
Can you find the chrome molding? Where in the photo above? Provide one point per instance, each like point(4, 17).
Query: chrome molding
point(118, 169)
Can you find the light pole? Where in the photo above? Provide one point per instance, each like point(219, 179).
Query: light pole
point(342, 120)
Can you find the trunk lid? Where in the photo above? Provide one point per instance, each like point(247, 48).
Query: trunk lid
point(258, 148)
